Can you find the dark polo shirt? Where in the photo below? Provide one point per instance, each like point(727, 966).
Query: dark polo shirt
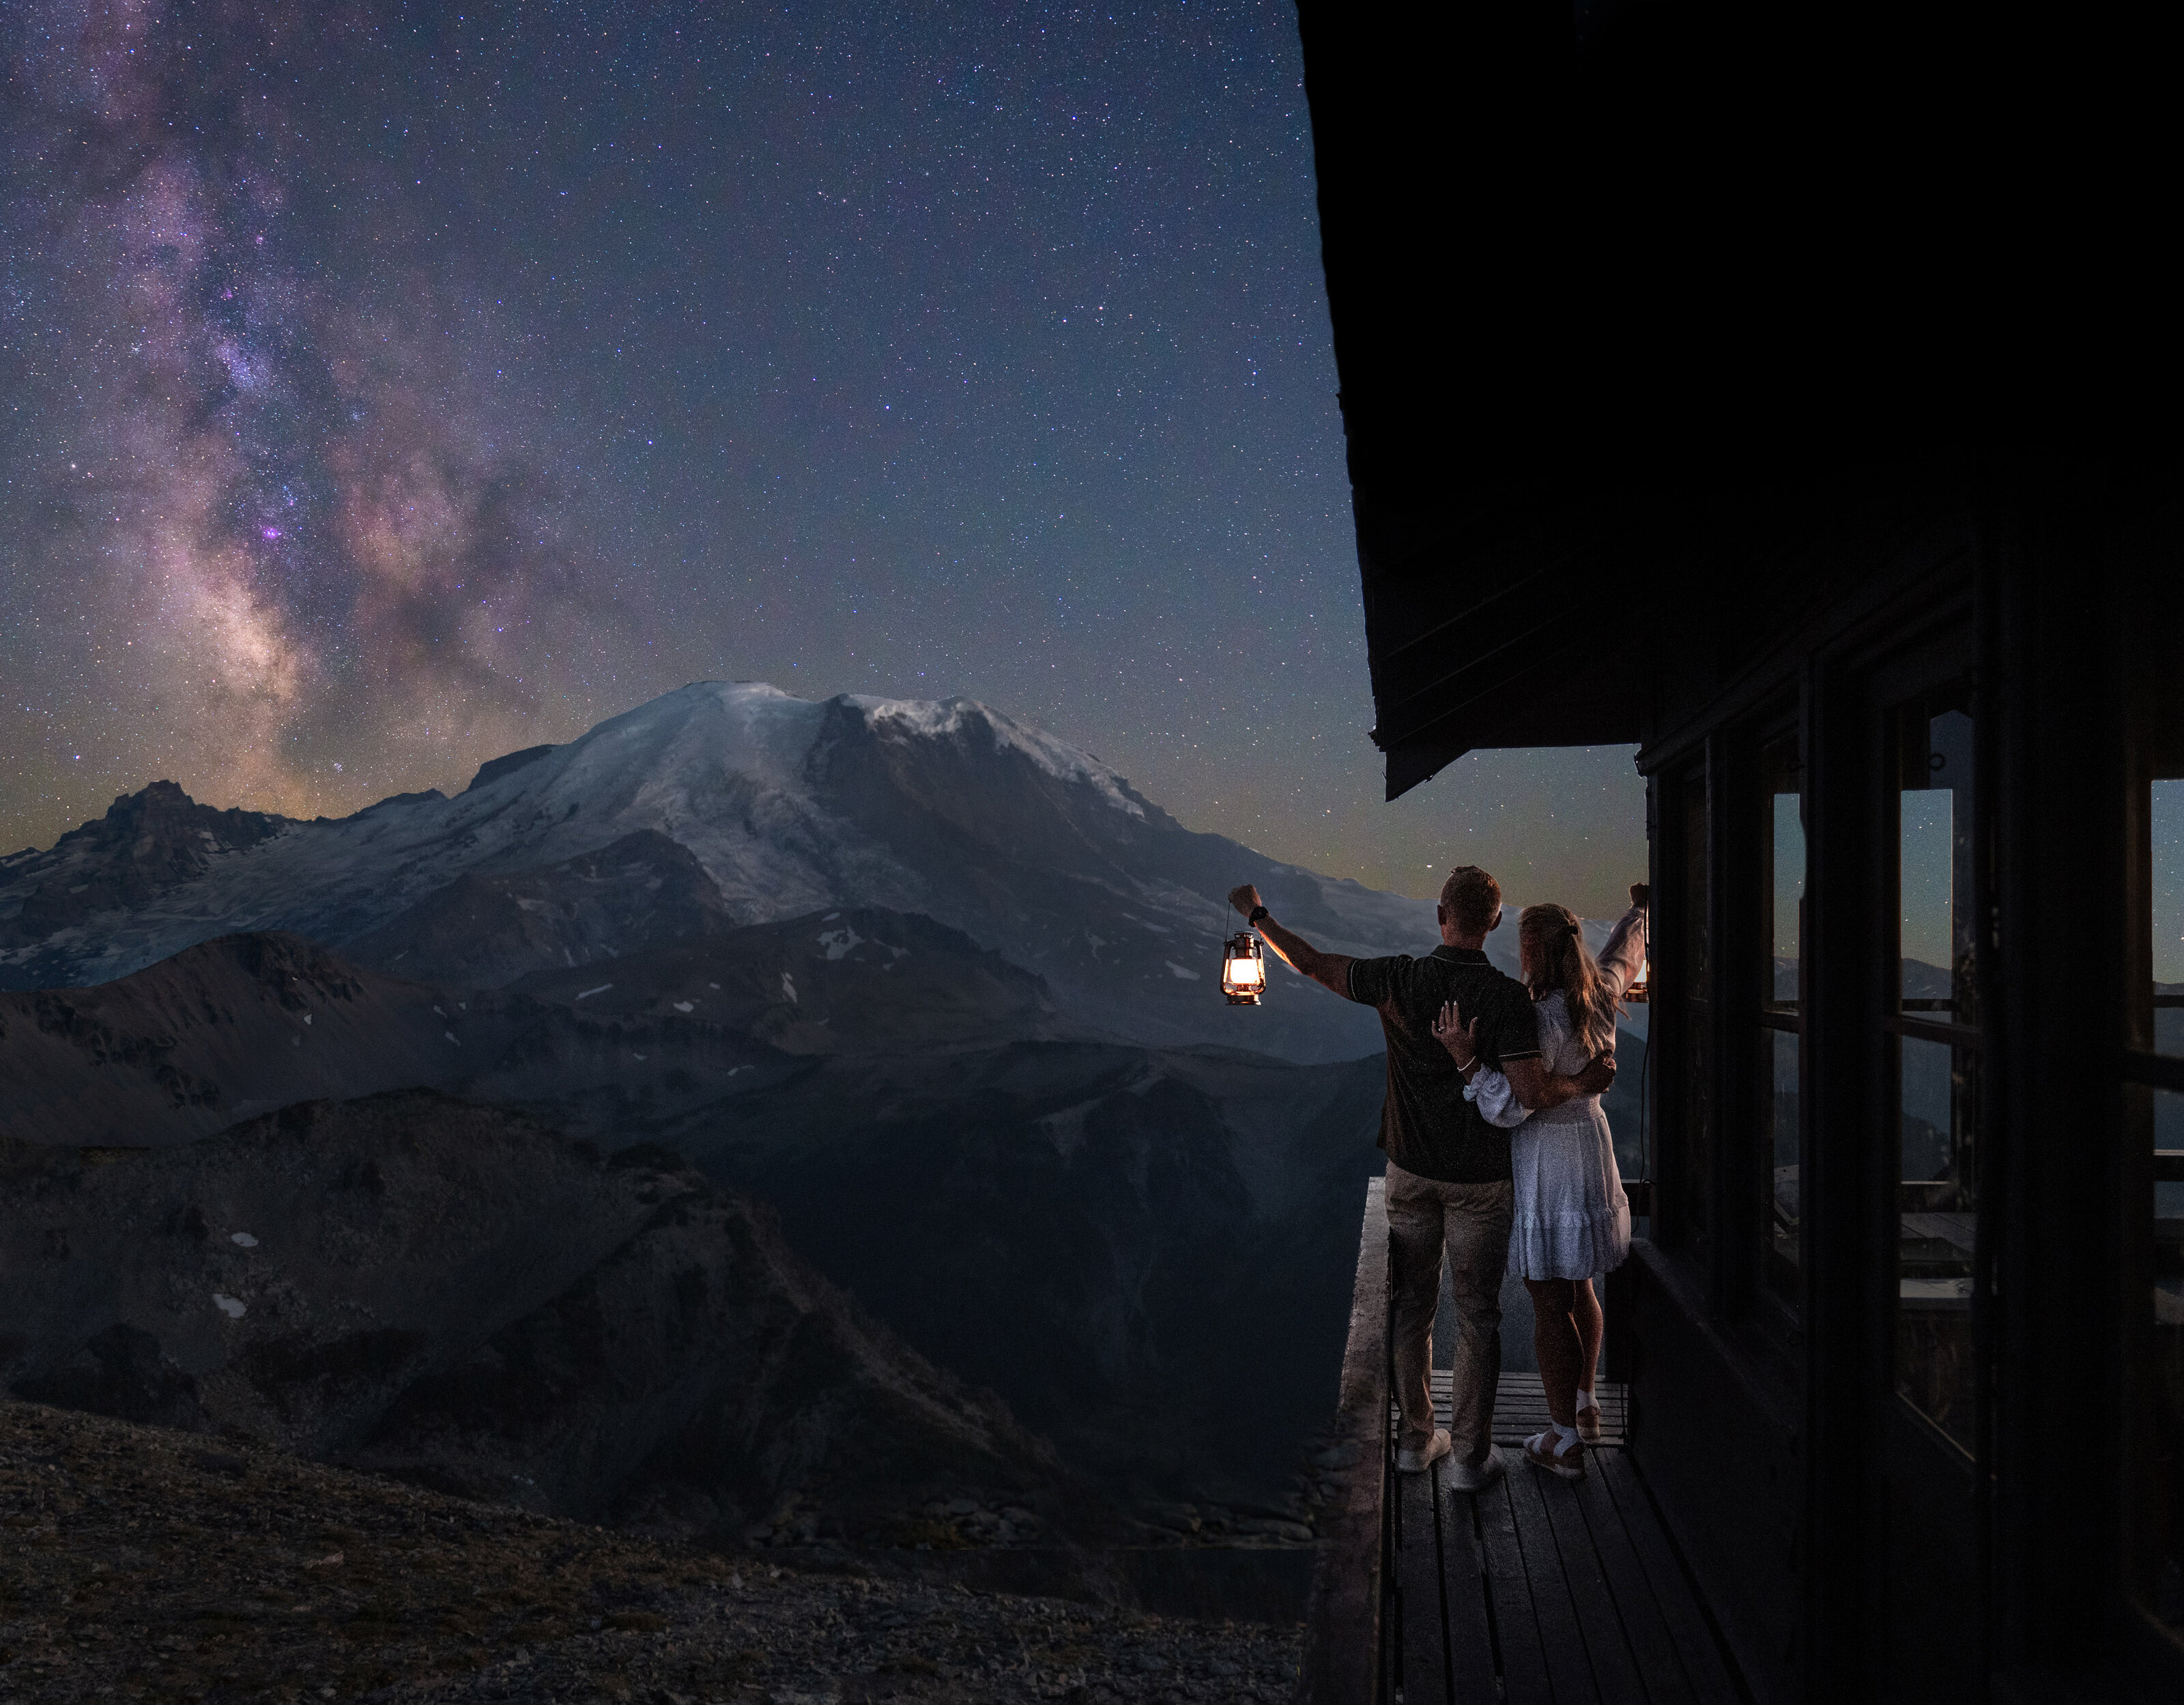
point(1426, 1126)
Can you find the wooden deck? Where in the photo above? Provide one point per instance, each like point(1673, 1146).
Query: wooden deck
point(1520, 1406)
point(1545, 1591)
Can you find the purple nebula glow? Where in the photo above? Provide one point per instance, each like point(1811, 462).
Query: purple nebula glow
point(272, 532)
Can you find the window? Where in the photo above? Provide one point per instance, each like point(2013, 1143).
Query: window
point(1781, 1018)
point(2154, 1105)
point(1935, 1044)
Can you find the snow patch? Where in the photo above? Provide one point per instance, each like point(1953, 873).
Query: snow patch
point(243, 1240)
point(1187, 976)
point(601, 989)
point(937, 718)
point(1066, 1130)
point(232, 1307)
point(450, 1035)
point(685, 1007)
point(788, 988)
point(838, 943)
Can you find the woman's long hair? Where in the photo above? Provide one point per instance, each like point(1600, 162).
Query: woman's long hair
point(1560, 959)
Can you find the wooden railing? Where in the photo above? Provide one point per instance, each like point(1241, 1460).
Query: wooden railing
point(1343, 1662)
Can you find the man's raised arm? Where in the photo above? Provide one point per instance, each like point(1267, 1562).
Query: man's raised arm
point(1328, 970)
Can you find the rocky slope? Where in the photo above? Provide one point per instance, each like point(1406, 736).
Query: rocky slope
point(723, 804)
point(243, 1024)
point(143, 1564)
point(1147, 1251)
point(449, 1292)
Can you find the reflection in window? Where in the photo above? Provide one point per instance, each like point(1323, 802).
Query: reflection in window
point(1782, 890)
point(1778, 1138)
point(1935, 871)
point(1789, 897)
point(1936, 1051)
point(2154, 1116)
point(2166, 820)
point(2162, 1568)
point(1934, 1257)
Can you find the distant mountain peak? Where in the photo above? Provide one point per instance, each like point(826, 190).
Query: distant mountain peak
point(726, 804)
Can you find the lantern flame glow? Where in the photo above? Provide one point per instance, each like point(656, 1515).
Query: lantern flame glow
point(1243, 970)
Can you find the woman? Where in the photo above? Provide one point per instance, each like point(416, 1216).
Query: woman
point(1572, 1221)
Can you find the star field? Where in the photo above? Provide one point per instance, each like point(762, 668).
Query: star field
point(390, 387)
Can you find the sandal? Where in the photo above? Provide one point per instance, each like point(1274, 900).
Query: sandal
point(1568, 1462)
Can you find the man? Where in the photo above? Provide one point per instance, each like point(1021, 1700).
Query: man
point(1448, 1168)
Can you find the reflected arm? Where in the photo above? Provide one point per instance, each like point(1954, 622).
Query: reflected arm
point(1625, 951)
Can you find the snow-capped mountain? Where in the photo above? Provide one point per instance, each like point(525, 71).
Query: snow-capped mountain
point(717, 806)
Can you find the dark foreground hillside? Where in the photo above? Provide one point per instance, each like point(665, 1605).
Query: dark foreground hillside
point(141, 1564)
point(412, 1285)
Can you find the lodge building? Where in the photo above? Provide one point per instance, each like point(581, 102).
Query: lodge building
point(1770, 394)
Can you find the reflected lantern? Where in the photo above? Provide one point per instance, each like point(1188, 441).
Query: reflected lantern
point(1641, 986)
point(1243, 969)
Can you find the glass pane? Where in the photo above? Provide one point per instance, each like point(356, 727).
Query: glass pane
point(2166, 819)
point(1936, 1123)
point(1783, 781)
point(1777, 1111)
point(2162, 1552)
point(1940, 932)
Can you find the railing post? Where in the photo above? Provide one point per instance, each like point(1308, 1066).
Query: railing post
point(1345, 1662)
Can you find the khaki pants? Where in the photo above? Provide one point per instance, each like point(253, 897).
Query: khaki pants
point(1472, 1221)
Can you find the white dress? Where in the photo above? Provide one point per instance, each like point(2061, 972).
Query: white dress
point(1573, 1220)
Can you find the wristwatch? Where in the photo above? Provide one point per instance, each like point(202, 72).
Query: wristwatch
point(1257, 912)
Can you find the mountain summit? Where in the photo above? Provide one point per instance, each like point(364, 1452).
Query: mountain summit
point(713, 807)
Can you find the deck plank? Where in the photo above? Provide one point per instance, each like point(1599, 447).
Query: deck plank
point(1470, 1635)
point(1660, 1666)
point(1517, 1628)
point(1419, 1575)
point(1703, 1663)
point(1520, 1407)
point(1570, 1665)
point(1614, 1669)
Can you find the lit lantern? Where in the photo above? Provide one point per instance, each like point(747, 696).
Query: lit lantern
point(1243, 969)
point(1641, 987)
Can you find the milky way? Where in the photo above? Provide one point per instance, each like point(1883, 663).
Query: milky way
point(386, 388)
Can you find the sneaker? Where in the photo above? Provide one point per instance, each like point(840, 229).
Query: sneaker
point(1410, 1462)
point(1569, 1461)
point(1588, 1423)
point(1466, 1479)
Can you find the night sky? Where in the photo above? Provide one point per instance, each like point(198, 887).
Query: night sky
point(386, 388)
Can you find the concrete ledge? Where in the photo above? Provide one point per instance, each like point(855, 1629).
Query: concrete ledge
point(1342, 1618)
